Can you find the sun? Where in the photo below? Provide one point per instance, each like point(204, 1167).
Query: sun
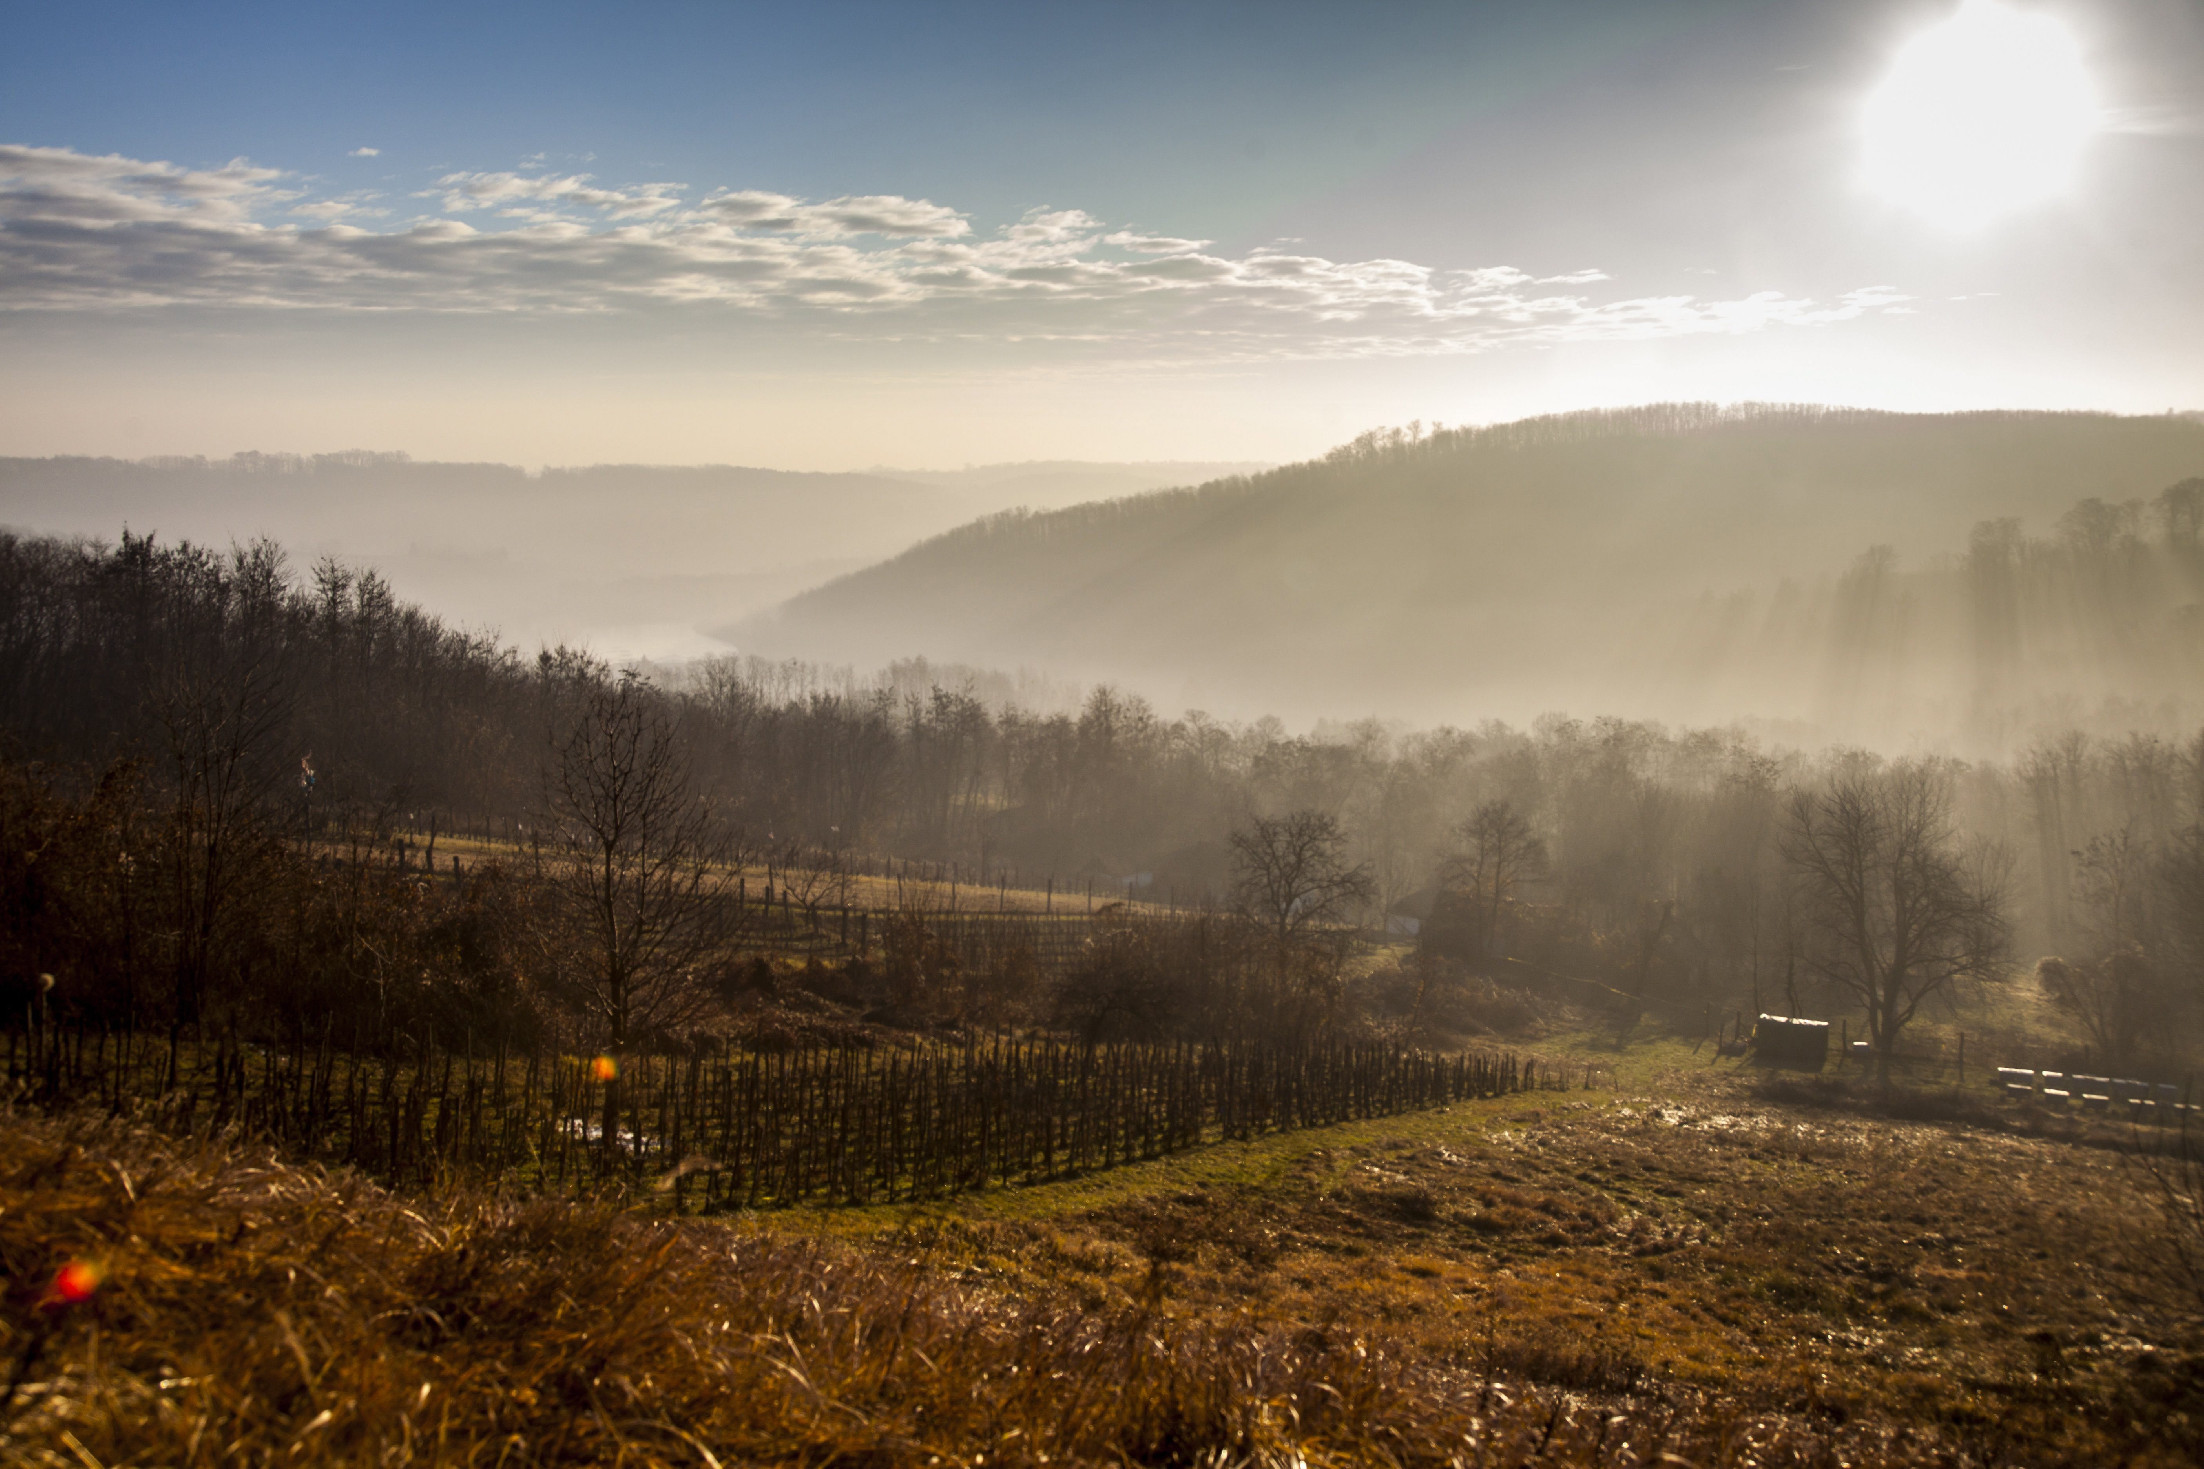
point(1979, 117)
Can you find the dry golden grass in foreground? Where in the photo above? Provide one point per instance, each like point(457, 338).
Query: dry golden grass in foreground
point(1994, 1296)
point(1498, 1285)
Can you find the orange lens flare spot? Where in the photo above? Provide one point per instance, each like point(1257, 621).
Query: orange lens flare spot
point(75, 1282)
point(605, 1068)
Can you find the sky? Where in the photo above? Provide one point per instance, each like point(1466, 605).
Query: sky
point(834, 236)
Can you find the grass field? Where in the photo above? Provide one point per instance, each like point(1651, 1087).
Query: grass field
point(1709, 1264)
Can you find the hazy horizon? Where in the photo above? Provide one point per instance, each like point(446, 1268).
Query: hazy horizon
point(853, 235)
point(657, 306)
point(1730, 543)
point(629, 561)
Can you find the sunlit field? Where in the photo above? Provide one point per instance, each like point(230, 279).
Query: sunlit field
point(1726, 1263)
point(1225, 736)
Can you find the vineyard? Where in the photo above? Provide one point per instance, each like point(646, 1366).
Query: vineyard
point(834, 1125)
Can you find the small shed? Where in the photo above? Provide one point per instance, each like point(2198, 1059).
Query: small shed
point(1792, 1043)
point(1406, 918)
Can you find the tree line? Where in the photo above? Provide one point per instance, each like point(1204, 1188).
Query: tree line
point(205, 751)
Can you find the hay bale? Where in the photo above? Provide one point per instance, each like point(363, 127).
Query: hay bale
point(1792, 1043)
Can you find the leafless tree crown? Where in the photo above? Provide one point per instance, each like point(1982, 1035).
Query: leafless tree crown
point(630, 861)
point(1291, 874)
point(1498, 851)
point(1895, 910)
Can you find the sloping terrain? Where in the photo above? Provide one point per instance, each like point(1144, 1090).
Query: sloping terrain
point(627, 559)
point(1712, 1272)
point(1682, 562)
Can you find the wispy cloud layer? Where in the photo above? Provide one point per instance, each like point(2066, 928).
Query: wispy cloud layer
point(84, 232)
point(546, 196)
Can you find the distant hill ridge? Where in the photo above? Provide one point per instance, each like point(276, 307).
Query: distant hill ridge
point(627, 558)
point(1502, 570)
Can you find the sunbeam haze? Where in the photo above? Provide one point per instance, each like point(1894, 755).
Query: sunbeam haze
point(1300, 734)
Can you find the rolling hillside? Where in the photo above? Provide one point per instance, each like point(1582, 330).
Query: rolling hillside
point(1680, 562)
point(626, 559)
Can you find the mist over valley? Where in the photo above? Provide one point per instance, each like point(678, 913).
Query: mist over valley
point(1523, 784)
point(1828, 576)
point(631, 561)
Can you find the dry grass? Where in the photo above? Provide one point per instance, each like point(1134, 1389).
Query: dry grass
point(1984, 1295)
point(1720, 1280)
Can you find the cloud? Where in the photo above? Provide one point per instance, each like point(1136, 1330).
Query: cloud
point(365, 153)
point(359, 203)
point(545, 196)
point(886, 214)
point(890, 215)
point(64, 188)
point(85, 232)
point(1154, 244)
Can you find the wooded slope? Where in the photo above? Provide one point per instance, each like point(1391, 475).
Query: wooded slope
point(1680, 561)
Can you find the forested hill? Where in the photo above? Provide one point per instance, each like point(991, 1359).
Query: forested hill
point(594, 555)
point(1682, 561)
point(627, 559)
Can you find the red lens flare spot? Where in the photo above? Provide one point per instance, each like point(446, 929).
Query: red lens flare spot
point(605, 1068)
point(75, 1283)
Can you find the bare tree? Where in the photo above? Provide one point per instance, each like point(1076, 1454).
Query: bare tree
point(1290, 874)
point(2181, 894)
point(223, 701)
point(1891, 908)
point(1498, 852)
point(630, 856)
point(1400, 828)
point(808, 878)
point(2119, 990)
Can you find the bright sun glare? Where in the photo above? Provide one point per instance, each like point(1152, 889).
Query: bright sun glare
point(1980, 116)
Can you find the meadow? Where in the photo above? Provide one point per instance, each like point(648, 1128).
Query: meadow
point(1710, 1264)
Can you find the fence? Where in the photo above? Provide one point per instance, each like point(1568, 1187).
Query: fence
point(842, 1125)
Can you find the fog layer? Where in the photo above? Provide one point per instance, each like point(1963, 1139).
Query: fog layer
point(626, 559)
point(1960, 579)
